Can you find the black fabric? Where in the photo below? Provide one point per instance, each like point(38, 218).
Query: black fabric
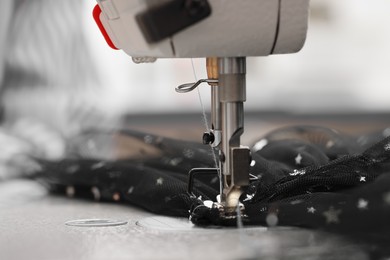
point(307, 176)
point(155, 183)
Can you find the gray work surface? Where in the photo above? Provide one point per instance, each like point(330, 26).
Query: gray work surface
point(32, 222)
point(32, 226)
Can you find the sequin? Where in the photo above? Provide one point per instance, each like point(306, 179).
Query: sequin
point(95, 223)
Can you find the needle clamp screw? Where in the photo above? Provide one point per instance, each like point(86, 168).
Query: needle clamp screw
point(208, 138)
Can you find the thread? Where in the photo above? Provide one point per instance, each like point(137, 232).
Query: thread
point(204, 117)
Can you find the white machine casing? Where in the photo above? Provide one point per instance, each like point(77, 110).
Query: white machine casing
point(235, 28)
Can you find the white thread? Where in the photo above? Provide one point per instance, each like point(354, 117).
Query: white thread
point(245, 241)
point(205, 120)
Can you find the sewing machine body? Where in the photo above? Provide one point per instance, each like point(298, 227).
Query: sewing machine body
point(229, 30)
point(233, 29)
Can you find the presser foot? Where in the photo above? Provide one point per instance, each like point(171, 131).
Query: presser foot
point(231, 210)
point(231, 214)
point(230, 207)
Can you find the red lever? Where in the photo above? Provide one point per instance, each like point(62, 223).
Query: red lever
point(96, 15)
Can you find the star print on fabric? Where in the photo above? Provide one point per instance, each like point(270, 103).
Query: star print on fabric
point(175, 161)
point(116, 196)
point(298, 159)
point(188, 153)
point(260, 145)
point(298, 172)
point(70, 191)
point(329, 144)
point(311, 210)
point(362, 179)
point(96, 193)
point(253, 177)
point(159, 181)
point(362, 204)
point(295, 202)
point(249, 197)
point(97, 165)
point(332, 215)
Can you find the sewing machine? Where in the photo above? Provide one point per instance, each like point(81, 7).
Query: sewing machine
point(225, 32)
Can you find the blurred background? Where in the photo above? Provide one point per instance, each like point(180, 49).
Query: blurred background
point(343, 67)
point(51, 93)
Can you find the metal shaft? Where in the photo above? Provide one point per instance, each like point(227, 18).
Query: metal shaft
point(234, 158)
point(213, 74)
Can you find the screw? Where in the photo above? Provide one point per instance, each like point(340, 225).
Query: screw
point(208, 138)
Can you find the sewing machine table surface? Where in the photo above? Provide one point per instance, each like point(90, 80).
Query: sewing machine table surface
point(32, 223)
point(32, 226)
